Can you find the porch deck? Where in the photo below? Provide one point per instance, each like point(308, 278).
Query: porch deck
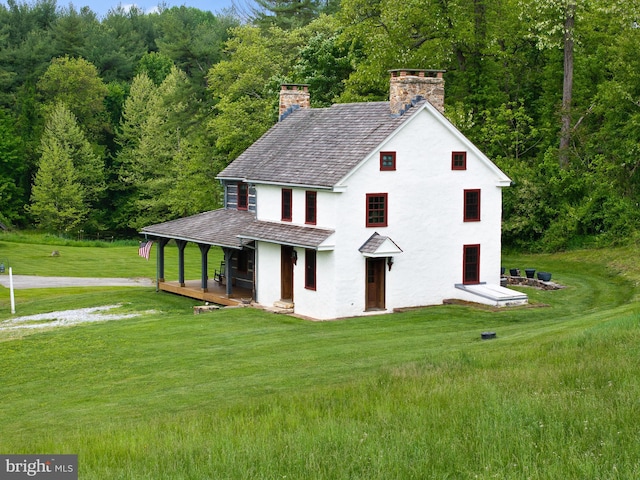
point(215, 293)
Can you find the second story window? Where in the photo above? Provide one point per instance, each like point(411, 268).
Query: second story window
point(287, 204)
point(472, 205)
point(387, 161)
point(243, 196)
point(376, 210)
point(310, 207)
point(458, 160)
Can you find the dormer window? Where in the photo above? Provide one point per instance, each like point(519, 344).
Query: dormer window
point(387, 161)
point(243, 196)
point(459, 161)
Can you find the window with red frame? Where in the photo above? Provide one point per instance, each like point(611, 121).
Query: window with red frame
point(311, 199)
point(377, 210)
point(287, 204)
point(243, 196)
point(310, 269)
point(387, 161)
point(471, 264)
point(472, 205)
point(458, 160)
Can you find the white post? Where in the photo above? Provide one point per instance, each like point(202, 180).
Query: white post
point(13, 299)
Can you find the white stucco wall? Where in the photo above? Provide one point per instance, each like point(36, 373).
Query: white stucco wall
point(270, 205)
point(425, 219)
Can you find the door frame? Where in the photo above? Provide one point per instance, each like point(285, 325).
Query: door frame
point(287, 261)
point(375, 284)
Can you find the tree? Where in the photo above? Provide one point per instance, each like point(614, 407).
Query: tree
point(64, 146)
point(325, 61)
point(62, 129)
point(193, 39)
point(76, 83)
point(71, 30)
point(567, 83)
point(11, 171)
point(57, 197)
point(285, 14)
point(246, 86)
point(159, 151)
point(156, 66)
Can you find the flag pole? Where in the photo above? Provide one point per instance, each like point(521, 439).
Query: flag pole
point(13, 298)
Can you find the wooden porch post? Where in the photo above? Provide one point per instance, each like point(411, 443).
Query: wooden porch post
point(204, 251)
point(228, 253)
point(161, 244)
point(181, 244)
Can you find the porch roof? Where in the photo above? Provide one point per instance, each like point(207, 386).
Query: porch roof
point(284, 234)
point(379, 246)
point(231, 228)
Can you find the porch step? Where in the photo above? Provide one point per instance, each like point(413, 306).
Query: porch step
point(198, 309)
point(282, 306)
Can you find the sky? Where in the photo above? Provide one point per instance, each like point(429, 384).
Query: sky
point(101, 7)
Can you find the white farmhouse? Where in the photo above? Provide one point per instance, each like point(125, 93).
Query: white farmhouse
point(352, 210)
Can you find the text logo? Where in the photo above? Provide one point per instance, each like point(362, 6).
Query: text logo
point(45, 467)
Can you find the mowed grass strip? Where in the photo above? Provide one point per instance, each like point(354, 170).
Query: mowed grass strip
point(240, 393)
point(95, 259)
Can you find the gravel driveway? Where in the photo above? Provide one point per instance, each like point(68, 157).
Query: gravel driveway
point(31, 281)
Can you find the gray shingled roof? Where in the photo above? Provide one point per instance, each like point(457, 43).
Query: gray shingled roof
point(374, 242)
point(295, 235)
point(227, 228)
point(318, 146)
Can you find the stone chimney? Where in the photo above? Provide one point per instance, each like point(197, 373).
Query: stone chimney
point(294, 94)
point(407, 84)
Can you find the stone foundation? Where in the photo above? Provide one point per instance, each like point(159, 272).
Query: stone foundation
point(531, 282)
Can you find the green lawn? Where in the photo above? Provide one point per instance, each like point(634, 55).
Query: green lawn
point(239, 393)
point(105, 260)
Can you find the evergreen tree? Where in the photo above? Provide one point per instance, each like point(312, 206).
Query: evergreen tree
point(57, 198)
point(63, 141)
point(11, 169)
point(285, 14)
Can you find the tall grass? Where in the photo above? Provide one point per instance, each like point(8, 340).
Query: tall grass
point(240, 393)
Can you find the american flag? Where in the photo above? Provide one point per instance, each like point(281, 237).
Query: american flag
point(145, 248)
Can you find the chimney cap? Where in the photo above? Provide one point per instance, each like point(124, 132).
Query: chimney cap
point(294, 86)
point(416, 72)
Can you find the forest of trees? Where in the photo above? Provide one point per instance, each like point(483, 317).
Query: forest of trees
point(109, 124)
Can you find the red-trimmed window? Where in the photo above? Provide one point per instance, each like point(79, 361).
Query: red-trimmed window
point(458, 160)
point(377, 209)
point(310, 269)
point(387, 161)
point(471, 264)
point(287, 204)
point(243, 196)
point(472, 205)
point(311, 199)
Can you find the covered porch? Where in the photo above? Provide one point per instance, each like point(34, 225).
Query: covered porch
point(215, 293)
point(237, 233)
point(233, 280)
